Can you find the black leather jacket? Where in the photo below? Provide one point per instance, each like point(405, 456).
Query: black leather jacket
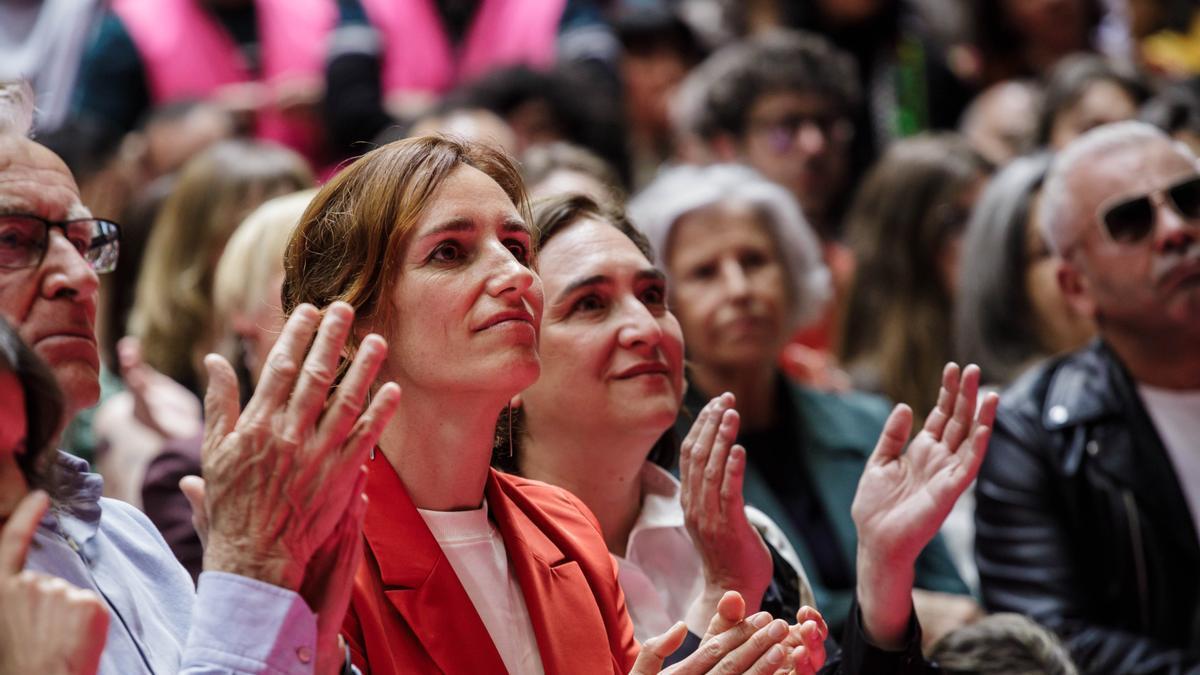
point(1081, 522)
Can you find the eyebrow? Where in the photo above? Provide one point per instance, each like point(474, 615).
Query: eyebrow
point(461, 224)
point(652, 274)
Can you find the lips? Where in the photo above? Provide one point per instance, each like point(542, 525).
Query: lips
point(507, 316)
point(1180, 276)
point(68, 333)
point(644, 368)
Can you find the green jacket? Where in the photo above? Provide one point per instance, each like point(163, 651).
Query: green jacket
point(838, 433)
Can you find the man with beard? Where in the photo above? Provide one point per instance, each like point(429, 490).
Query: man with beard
point(1089, 499)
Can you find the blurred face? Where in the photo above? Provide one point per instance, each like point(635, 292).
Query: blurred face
point(610, 349)
point(1102, 102)
point(1145, 285)
point(730, 287)
point(466, 304)
point(53, 306)
point(1004, 122)
point(802, 142)
point(12, 417)
point(650, 80)
point(1059, 328)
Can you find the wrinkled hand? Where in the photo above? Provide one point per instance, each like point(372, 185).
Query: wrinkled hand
point(732, 645)
point(46, 624)
point(159, 403)
point(712, 469)
point(903, 497)
point(280, 475)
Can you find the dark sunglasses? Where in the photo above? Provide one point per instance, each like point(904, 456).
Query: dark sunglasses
point(1131, 220)
point(25, 238)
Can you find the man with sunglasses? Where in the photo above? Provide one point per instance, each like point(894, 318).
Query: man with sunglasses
point(1089, 500)
point(281, 553)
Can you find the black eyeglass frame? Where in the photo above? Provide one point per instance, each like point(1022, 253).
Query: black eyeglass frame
point(103, 249)
point(1155, 199)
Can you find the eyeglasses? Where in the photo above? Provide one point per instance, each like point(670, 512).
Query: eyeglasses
point(1131, 220)
point(781, 132)
point(24, 239)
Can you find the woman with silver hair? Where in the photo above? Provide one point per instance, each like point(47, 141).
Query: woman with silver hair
point(745, 271)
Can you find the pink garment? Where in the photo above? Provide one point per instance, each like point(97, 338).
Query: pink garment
point(188, 54)
point(418, 55)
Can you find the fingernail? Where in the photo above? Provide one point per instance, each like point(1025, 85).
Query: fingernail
point(778, 629)
point(759, 620)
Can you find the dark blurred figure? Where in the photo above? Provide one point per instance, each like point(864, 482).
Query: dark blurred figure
point(1000, 123)
point(42, 41)
point(1002, 644)
point(906, 227)
point(390, 62)
point(1176, 110)
point(261, 61)
point(558, 168)
point(1025, 38)
point(1084, 91)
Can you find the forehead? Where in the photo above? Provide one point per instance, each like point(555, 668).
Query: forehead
point(468, 192)
point(34, 180)
point(1125, 171)
point(795, 102)
point(719, 228)
point(587, 248)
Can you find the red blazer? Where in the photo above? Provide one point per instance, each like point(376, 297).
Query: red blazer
point(410, 614)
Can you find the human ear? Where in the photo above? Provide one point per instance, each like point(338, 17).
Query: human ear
point(1076, 290)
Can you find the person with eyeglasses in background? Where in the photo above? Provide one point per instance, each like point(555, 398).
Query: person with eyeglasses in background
point(1089, 499)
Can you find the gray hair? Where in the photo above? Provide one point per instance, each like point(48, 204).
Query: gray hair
point(1057, 209)
point(684, 189)
point(993, 315)
point(16, 107)
point(1002, 643)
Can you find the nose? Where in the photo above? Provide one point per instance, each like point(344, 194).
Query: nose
point(509, 275)
point(64, 271)
point(1174, 232)
point(733, 277)
point(639, 329)
point(810, 139)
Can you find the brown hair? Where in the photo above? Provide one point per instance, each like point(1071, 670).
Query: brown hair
point(173, 308)
point(352, 236)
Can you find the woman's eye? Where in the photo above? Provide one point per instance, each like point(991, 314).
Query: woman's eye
point(519, 251)
point(588, 303)
point(704, 272)
point(653, 296)
point(753, 260)
point(447, 251)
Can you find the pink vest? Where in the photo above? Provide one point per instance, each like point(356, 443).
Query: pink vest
point(187, 54)
point(419, 57)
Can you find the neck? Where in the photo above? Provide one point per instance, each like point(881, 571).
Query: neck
point(754, 389)
point(441, 447)
point(603, 471)
point(1171, 362)
point(12, 486)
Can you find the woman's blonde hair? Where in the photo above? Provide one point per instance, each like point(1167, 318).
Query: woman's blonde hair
point(350, 241)
point(173, 306)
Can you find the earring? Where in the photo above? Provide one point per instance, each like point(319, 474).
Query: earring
point(509, 417)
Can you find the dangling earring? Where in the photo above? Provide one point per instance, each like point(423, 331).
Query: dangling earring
point(509, 417)
point(373, 447)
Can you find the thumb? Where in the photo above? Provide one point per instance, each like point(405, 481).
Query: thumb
point(657, 649)
point(192, 488)
point(894, 436)
point(18, 532)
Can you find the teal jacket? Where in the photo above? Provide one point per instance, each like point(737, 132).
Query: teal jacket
point(838, 433)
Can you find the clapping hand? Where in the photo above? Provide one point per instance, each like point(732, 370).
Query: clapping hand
point(712, 469)
point(903, 497)
point(46, 624)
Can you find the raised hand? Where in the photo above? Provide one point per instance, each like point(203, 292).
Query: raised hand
point(46, 625)
point(903, 497)
point(159, 403)
point(712, 469)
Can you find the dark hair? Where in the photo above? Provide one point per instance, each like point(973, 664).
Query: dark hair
point(43, 408)
point(779, 61)
point(1002, 643)
point(993, 315)
point(1000, 43)
point(1176, 108)
point(656, 27)
point(897, 333)
point(552, 215)
point(1070, 79)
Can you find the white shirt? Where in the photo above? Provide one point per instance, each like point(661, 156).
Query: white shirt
point(661, 573)
point(475, 550)
point(1176, 416)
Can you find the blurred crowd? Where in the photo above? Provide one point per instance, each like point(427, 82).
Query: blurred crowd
point(832, 200)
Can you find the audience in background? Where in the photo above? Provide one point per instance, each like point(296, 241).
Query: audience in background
point(559, 168)
point(1084, 91)
point(1002, 644)
point(1001, 121)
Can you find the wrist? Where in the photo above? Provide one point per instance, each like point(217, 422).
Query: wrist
point(884, 590)
point(270, 567)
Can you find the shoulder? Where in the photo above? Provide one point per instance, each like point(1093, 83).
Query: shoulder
point(555, 502)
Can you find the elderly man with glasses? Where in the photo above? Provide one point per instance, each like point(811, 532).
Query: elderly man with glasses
point(1089, 499)
point(87, 583)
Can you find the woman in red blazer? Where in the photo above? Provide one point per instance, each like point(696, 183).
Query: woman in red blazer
point(465, 570)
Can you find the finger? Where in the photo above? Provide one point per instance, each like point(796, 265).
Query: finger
point(283, 364)
point(347, 404)
point(977, 447)
point(714, 469)
point(657, 649)
point(760, 653)
point(935, 422)
point(807, 613)
point(731, 609)
point(959, 426)
point(814, 643)
point(689, 442)
point(317, 373)
point(802, 662)
point(367, 430)
point(732, 501)
point(192, 488)
point(702, 449)
point(894, 436)
point(220, 402)
point(17, 533)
